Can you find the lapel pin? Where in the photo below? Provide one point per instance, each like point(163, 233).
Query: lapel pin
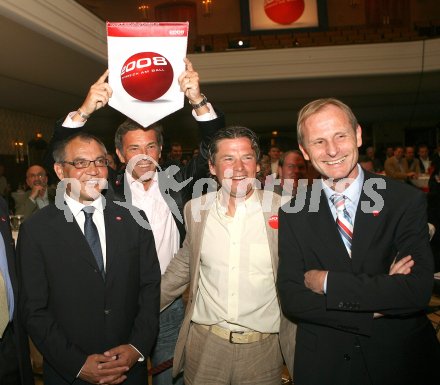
point(375, 213)
point(273, 222)
point(117, 182)
point(3, 219)
point(118, 218)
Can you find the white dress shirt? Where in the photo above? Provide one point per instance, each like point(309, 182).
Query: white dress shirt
point(165, 231)
point(237, 285)
point(98, 217)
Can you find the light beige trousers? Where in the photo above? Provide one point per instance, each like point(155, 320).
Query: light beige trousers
point(211, 360)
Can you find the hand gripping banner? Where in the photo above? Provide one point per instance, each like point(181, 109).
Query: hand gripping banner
point(145, 61)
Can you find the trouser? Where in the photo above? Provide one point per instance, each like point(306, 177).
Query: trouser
point(169, 325)
point(9, 369)
point(211, 360)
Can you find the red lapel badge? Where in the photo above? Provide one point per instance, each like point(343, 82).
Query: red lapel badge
point(3, 219)
point(117, 182)
point(273, 222)
point(375, 213)
point(118, 218)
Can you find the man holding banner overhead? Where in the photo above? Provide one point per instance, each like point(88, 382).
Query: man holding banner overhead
point(150, 189)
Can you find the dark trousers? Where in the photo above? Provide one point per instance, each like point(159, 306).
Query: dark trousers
point(9, 370)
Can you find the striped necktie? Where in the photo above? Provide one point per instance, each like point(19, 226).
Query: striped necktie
point(343, 220)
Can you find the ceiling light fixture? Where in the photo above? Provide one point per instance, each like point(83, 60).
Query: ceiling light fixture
point(207, 7)
point(144, 10)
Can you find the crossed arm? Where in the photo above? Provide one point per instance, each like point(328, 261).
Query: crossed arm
point(353, 299)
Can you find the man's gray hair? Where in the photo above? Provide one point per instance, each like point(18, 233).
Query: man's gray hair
point(59, 152)
point(317, 105)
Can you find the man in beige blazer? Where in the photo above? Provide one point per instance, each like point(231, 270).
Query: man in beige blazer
point(233, 326)
point(396, 167)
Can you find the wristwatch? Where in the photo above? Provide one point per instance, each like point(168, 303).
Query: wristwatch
point(204, 102)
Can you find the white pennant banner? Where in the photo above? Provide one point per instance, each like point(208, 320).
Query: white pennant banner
point(145, 61)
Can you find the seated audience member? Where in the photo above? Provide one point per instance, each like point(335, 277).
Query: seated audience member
point(39, 194)
point(366, 163)
point(389, 152)
point(292, 168)
point(411, 160)
point(4, 186)
point(436, 157)
point(274, 154)
point(370, 152)
point(174, 156)
point(425, 162)
point(265, 175)
point(396, 167)
point(112, 161)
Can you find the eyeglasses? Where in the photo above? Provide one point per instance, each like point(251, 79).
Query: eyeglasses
point(37, 175)
point(84, 163)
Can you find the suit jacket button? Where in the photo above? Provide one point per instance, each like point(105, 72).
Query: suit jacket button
point(341, 305)
point(107, 311)
point(347, 357)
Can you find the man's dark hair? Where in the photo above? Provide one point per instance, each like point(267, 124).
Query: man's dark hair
point(175, 144)
point(283, 156)
point(233, 132)
point(59, 152)
point(131, 125)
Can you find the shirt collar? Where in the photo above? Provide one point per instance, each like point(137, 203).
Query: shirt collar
point(76, 206)
point(242, 205)
point(352, 192)
point(138, 183)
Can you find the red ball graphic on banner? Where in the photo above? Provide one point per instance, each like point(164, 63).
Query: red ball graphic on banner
point(147, 76)
point(284, 11)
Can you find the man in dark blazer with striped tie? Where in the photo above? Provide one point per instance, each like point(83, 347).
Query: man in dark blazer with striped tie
point(356, 269)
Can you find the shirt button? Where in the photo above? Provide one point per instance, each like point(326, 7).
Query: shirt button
point(107, 311)
point(347, 357)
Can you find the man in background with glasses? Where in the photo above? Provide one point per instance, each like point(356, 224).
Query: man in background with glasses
point(39, 194)
point(90, 277)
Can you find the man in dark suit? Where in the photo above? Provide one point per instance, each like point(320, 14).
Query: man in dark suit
point(15, 365)
point(161, 194)
point(90, 277)
point(356, 270)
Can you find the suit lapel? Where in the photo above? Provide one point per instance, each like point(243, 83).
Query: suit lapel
point(365, 227)
point(271, 217)
point(112, 219)
point(197, 230)
point(324, 226)
point(76, 240)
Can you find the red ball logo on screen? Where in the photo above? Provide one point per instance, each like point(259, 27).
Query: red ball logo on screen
point(147, 76)
point(284, 11)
